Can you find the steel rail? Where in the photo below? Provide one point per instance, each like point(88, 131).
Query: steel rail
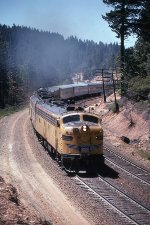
point(130, 167)
point(126, 207)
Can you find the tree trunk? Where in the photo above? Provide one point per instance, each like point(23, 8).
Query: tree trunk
point(122, 49)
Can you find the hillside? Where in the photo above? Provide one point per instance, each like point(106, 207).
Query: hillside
point(132, 122)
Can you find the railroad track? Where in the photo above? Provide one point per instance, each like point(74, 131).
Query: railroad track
point(85, 101)
point(129, 210)
point(140, 173)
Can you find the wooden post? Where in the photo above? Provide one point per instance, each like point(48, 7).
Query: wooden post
point(103, 87)
point(116, 103)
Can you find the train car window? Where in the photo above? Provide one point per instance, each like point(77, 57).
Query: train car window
point(72, 118)
point(90, 118)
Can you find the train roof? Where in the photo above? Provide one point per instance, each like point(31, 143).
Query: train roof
point(52, 89)
point(56, 108)
point(58, 111)
point(65, 86)
point(95, 84)
point(55, 88)
point(52, 107)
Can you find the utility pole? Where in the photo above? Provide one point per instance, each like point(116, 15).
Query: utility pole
point(116, 103)
point(103, 86)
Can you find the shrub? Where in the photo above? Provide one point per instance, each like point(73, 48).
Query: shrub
point(113, 107)
point(139, 88)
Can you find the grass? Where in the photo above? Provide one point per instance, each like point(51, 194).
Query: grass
point(112, 107)
point(144, 154)
point(9, 110)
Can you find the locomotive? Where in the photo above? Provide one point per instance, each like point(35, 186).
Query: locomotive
point(73, 136)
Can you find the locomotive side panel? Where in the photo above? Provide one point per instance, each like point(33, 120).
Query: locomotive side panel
point(60, 148)
point(51, 135)
point(40, 125)
point(46, 125)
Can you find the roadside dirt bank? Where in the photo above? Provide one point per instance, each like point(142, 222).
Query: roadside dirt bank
point(36, 188)
point(128, 122)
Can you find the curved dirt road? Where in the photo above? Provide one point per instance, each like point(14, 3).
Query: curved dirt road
point(20, 167)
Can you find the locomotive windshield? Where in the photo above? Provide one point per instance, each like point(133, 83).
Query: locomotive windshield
point(71, 118)
point(89, 118)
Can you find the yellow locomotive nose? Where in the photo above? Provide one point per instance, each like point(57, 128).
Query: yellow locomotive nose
point(76, 131)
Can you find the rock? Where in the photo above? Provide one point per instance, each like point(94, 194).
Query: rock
point(125, 139)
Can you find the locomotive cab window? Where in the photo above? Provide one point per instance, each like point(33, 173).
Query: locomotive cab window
point(91, 119)
point(71, 118)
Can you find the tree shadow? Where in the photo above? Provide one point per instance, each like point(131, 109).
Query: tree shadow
point(104, 171)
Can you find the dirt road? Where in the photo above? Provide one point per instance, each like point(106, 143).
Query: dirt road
point(20, 167)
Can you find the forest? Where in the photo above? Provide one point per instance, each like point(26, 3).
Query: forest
point(31, 58)
point(127, 18)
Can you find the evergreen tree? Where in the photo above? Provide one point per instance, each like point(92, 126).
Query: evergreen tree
point(142, 27)
point(121, 20)
point(3, 66)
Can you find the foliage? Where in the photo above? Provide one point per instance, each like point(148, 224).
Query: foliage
point(139, 88)
point(121, 20)
point(144, 154)
point(123, 17)
point(112, 107)
point(138, 59)
point(9, 110)
point(132, 17)
point(142, 28)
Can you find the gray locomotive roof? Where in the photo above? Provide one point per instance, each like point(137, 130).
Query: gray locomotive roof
point(51, 107)
point(54, 108)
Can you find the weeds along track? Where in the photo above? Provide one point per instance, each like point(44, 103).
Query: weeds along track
point(87, 101)
point(103, 192)
point(134, 170)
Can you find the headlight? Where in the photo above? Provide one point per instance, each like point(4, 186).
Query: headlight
point(84, 128)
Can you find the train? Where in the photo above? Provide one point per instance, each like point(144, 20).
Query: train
point(76, 91)
point(71, 135)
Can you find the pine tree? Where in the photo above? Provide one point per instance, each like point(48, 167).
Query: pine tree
point(3, 72)
point(121, 20)
point(143, 25)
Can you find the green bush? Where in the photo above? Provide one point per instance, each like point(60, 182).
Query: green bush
point(139, 88)
point(144, 154)
point(112, 107)
point(9, 110)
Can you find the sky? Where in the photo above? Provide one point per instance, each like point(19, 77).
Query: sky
point(80, 18)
